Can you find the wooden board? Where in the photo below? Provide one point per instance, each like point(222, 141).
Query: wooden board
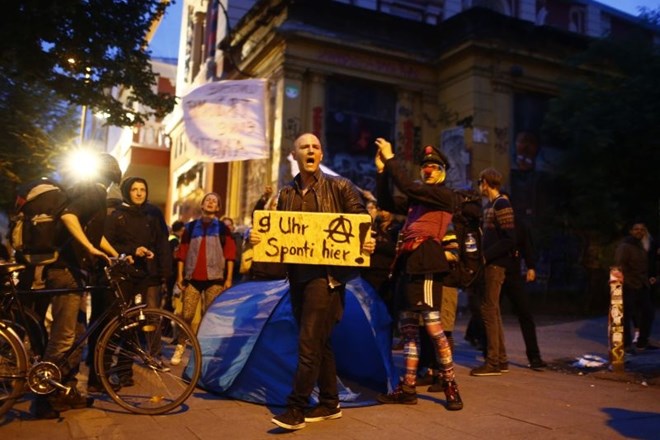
point(311, 237)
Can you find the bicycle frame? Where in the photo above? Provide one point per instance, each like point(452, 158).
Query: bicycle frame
point(130, 341)
point(119, 306)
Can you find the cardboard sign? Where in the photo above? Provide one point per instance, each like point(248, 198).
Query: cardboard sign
point(311, 238)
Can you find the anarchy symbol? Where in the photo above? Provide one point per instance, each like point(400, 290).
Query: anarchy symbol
point(340, 227)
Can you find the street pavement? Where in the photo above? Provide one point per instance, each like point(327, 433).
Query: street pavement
point(561, 402)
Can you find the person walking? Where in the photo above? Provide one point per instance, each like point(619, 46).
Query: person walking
point(421, 263)
point(317, 291)
point(498, 248)
point(82, 245)
point(205, 263)
point(514, 289)
point(638, 277)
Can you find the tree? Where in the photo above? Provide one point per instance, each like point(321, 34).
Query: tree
point(66, 53)
point(608, 126)
point(36, 126)
point(82, 49)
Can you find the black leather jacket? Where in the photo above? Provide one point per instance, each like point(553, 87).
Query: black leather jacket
point(333, 194)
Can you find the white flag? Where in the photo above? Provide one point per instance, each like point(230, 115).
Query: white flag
point(225, 121)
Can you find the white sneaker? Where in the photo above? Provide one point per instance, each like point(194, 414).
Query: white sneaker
point(178, 353)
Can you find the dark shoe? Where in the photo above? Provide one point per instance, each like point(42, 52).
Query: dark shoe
point(537, 364)
point(485, 370)
point(293, 419)
point(44, 410)
point(504, 367)
point(454, 401)
point(321, 412)
point(73, 400)
point(403, 394)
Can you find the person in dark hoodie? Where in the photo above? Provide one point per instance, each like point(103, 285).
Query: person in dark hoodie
point(638, 277)
point(138, 228)
point(135, 228)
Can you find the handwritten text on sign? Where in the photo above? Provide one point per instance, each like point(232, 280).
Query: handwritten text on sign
point(225, 121)
point(311, 237)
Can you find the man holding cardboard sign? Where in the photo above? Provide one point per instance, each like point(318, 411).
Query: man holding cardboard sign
point(317, 287)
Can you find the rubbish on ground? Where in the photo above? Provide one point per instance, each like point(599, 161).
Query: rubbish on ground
point(589, 361)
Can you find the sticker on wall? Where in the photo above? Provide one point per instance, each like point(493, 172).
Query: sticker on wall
point(480, 135)
point(292, 92)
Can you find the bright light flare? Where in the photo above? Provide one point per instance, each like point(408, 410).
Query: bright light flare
point(82, 164)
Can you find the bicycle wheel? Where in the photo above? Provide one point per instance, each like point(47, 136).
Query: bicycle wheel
point(13, 368)
point(30, 329)
point(134, 351)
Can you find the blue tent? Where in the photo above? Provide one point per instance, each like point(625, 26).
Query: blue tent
point(249, 344)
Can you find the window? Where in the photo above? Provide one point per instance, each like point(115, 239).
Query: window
point(356, 114)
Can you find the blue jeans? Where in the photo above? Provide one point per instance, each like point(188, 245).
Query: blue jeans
point(317, 308)
point(492, 316)
point(68, 323)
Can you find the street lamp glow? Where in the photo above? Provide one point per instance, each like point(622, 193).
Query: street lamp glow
point(82, 164)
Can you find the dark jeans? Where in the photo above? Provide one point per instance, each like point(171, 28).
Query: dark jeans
point(317, 308)
point(514, 289)
point(492, 316)
point(637, 304)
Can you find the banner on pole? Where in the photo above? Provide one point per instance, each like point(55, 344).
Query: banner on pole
point(311, 238)
point(225, 121)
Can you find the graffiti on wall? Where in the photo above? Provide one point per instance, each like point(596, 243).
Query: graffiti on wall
point(291, 128)
point(358, 169)
point(501, 139)
point(453, 145)
point(527, 148)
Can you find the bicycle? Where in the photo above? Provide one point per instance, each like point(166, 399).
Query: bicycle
point(132, 343)
point(24, 320)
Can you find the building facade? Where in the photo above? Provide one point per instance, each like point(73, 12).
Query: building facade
point(472, 77)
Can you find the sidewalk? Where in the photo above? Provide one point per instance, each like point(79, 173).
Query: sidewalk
point(562, 402)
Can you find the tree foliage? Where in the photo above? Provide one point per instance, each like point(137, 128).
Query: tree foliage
point(608, 124)
point(82, 49)
point(36, 125)
point(66, 53)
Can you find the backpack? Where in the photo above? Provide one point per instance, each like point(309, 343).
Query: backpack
point(34, 225)
point(463, 238)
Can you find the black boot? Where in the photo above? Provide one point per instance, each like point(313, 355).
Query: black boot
point(403, 394)
point(454, 401)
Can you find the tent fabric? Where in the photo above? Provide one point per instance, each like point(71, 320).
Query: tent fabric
point(249, 342)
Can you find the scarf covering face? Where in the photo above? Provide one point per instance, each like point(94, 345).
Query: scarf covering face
point(215, 257)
